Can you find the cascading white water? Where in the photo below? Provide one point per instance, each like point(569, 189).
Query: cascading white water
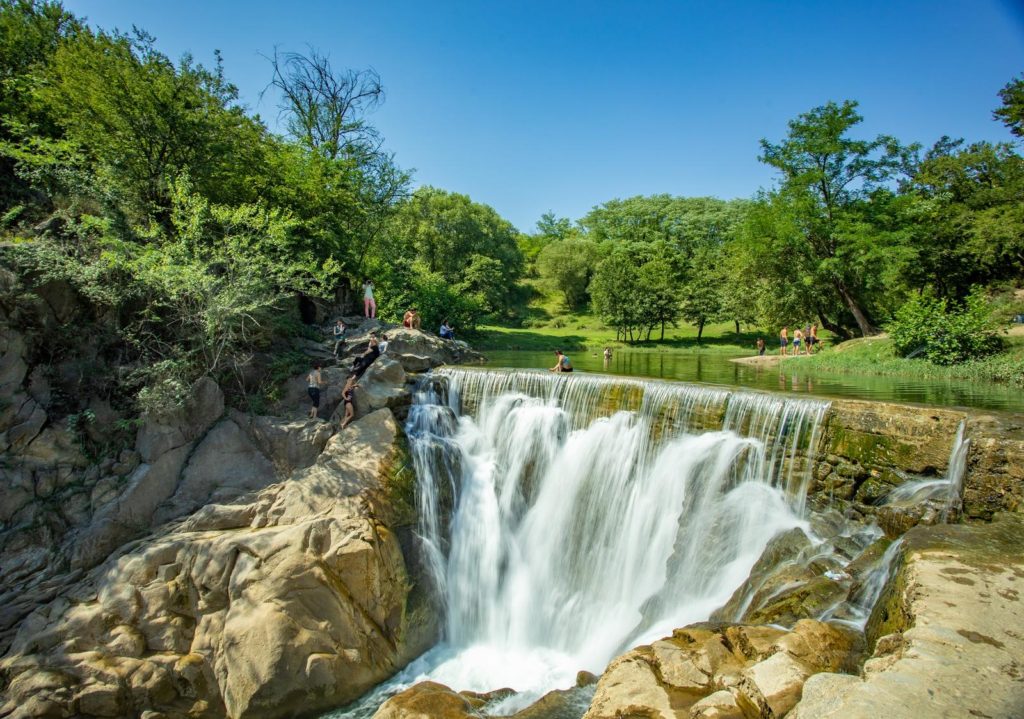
point(562, 529)
point(948, 489)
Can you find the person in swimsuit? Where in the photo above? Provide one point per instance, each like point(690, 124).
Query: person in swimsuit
point(563, 364)
point(607, 354)
point(760, 347)
point(812, 338)
point(369, 304)
point(407, 319)
point(797, 338)
point(313, 382)
point(784, 341)
point(348, 396)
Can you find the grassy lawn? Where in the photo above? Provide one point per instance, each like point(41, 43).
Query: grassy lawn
point(583, 332)
point(874, 355)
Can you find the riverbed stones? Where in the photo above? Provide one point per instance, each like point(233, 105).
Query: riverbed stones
point(762, 669)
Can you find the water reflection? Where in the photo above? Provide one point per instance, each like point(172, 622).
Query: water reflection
point(717, 369)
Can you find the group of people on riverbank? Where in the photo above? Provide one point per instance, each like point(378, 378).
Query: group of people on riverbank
point(804, 341)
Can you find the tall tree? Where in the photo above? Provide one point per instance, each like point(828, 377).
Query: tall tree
point(827, 179)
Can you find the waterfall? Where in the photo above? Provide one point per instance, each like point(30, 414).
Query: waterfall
point(947, 490)
point(567, 518)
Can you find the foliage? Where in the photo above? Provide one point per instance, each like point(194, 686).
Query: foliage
point(1012, 112)
point(829, 180)
point(568, 265)
point(943, 333)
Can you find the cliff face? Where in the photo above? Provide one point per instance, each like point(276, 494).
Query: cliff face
point(213, 564)
point(283, 601)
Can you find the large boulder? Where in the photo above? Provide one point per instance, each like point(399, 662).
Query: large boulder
point(289, 601)
point(419, 351)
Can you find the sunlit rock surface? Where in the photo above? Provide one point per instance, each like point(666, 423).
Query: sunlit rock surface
point(948, 629)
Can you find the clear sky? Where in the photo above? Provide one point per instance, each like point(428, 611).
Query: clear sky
point(532, 106)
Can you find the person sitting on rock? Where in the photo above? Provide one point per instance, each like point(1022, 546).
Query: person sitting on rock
point(366, 359)
point(348, 396)
point(447, 332)
point(339, 335)
point(417, 321)
point(564, 364)
point(407, 319)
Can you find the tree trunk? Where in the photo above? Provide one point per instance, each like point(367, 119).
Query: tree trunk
point(737, 326)
point(832, 327)
point(863, 323)
point(700, 330)
point(662, 331)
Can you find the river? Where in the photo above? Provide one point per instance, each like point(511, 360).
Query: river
point(716, 368)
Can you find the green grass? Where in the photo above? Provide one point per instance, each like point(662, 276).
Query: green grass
point(875, 355)
point(584, 332)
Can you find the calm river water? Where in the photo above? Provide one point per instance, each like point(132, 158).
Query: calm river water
point(791, 377)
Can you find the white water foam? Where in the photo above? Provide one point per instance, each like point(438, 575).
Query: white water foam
point(569, 535)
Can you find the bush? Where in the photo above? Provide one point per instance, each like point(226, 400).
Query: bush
point(945, 333)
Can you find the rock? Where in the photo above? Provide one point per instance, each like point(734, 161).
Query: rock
point(945, 631)
point(720, 705)
point(630, 687)
point(289, 444)
point(131, 514)
point(305, 595)
point(765, 576)
point(780, 679)
point(418, 351)
point(101, 700)
point(224, 465)
point(204, 406)
point(427, 700)
point(383, 385)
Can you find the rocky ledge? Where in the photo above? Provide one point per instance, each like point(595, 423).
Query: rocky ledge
point(227, 565)
point(948, 637)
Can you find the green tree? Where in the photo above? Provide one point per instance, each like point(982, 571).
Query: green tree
point(568, 266)
point(1011, 113)
point(967, 212)
point(657, 295)
point(828, 179)
point(445, 232)
point(30, 31)
point(702, 293)
point(614, 291)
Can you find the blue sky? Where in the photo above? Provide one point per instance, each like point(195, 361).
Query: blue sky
point(536, 106)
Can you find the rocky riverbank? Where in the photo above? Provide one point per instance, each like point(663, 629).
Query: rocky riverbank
point(225, 565)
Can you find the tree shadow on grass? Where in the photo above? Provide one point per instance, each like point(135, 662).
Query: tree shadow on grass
point(526, 341)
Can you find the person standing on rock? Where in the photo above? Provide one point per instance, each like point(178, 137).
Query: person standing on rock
point(369, 303)
point(348, 396)
point(339, 335)
point(314, 380)
point(784, 341)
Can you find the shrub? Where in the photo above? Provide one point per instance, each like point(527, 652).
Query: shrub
point(945, 333)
